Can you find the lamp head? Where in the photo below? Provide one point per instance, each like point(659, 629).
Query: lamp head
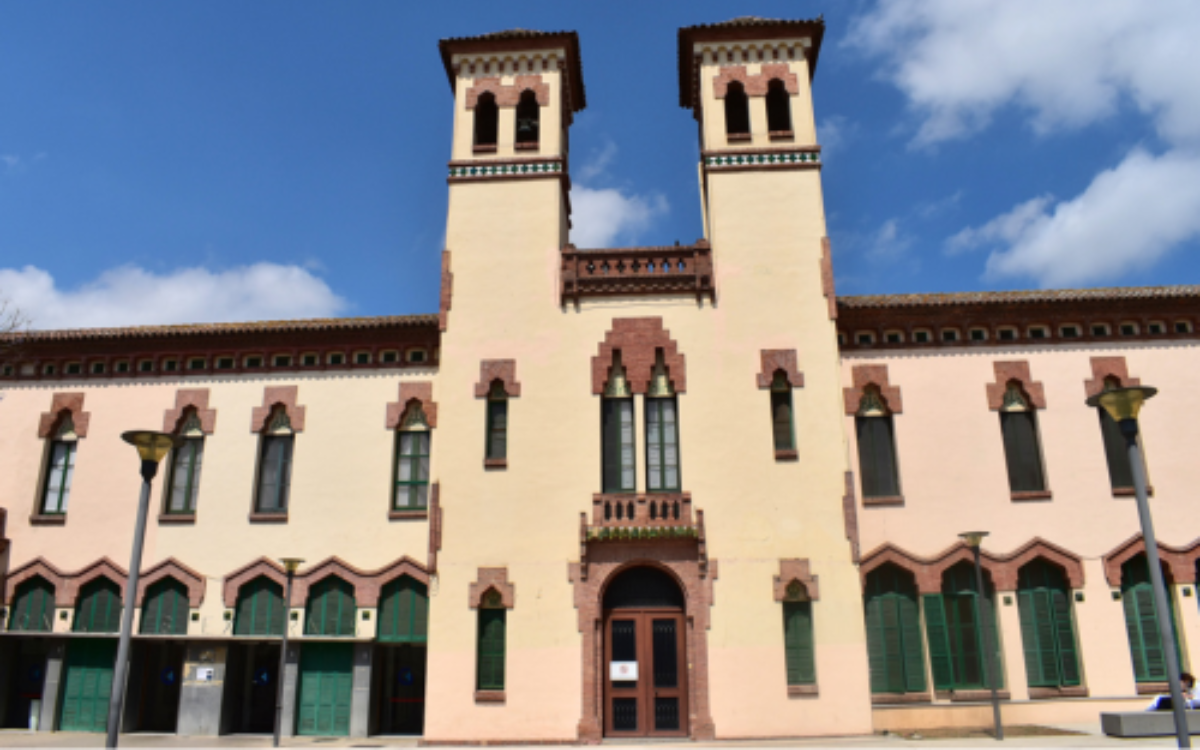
point(151, 446)
point(291, 563)
point(973, 538)
point(1123, 403)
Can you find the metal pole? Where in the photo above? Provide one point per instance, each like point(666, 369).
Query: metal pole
point(1162, 607)
point(117, 700)
point(989, 663)
point(287, 612)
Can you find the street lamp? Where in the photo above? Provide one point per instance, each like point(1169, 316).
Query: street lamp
point(289, 564)
point(973, 539)
point(151, 447)
point(1123, 405)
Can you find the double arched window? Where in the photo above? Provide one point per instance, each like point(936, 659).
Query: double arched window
point(662, 431)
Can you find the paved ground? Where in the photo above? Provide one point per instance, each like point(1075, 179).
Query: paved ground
point(1091, 738)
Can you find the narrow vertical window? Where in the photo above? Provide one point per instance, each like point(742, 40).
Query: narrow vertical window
point(487, 117)
point(412, 461)
point(527, 120)
point(798, 646)
point(617, 431)
point(1120, 471)
point(662, 431)
point(497, 422)
point(1047, 626)
point(1018, 423)
point(490, 657)
point(737, 110)
point(183, 484)
point(275, 464)
point(782, 425)
point(60, 468)
point(876, 446)
point(779, 108)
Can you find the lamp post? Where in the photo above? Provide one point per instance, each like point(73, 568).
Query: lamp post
point(151, 447)
point(289, 564)
point(1123, 405)
point(973, 539)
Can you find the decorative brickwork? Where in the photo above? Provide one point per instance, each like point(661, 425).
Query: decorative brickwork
point(273, 396)
point(510, 95)
point(850, 517)
point(190, 398)
point(102, 568)
point(1180, 561)
point(1003, 569)
point(1007, 372)
point(773, 360)
point(755, 84)
point(637, 271)
point(827, 278)
point(236, 579)
point(504, 370)
point(795, 570)
point(638, 339)
point(447, 292)
point(64, 402)
point(491, 579)
point(38, 567)
point(420, 391)
point(367, 583)
point(1104, 368)
point(862, 376)
point(172, 568)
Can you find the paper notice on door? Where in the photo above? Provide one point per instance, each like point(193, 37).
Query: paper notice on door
point(623, 671)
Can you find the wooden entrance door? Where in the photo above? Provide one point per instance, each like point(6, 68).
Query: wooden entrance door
point(648, 646)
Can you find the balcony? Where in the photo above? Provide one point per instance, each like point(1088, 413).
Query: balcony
point(637, 271)
point(645, 516)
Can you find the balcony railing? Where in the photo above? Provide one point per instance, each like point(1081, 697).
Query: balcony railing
point(637, 271)
point(642, 511)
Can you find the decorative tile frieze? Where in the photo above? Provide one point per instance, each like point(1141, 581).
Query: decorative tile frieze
point(460, 171)
point(729, 161)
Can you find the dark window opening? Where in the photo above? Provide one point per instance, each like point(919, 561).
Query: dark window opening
point(779, 110)
point(487, 117)
point(497, 422)
point(527, 120)
point(737, 111)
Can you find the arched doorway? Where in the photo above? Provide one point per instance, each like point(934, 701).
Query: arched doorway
point(645, 656)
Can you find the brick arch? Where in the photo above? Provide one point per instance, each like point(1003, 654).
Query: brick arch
point(421, 391)
point(1002, 568)
point(38, 567)
point(638, 339)
point(862, 376)
point(491, 579)
point(510, 95)
point(1104, 368)
point(102, 568)
point(172, 568)
point(64, 402)
point(755, 84)
point(504, 370)
point(278, 395)
point(1181, 561)
point(243, 575)
point(366, 589)
point(796, 570)
point(1040, 549)
point(774, 360)
point(190, 398)
point(1007, 372)
point(405, 566)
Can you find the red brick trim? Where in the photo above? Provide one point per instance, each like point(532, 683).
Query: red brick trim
point(1043, 693)
point(795, 691)
point(890, 699)
point(850, 517)
point(1031, 495)
point(883, 500)
point(796, 570)
point(1180, 561)
point(38, 567)
point(400, 515)
point(773, 360)
point(1152, 688)
point(509, 96)
point(504, 370)
point(1007, 372)
point(367, 583)
point(827, 287)
point(243, 575)
point(435, 526)
point(272, 517)
point(273, 396)
point(637, 339)
point(495, 463)
point(446, 295)
point(862, 376)
point(490, 696)
point(190, 398)
point(684, 561)
point(1003, 569)
point(102, 568)
point(1108, 367)
point(491, 579)
point(755, 84)
point(64, 402)
point(420, 391)
point(172, 568)
point(178, 518)
point(48, 519)
point(977, 696)
point(789, 454)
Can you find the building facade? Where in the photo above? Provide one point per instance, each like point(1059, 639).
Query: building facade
point(604, 492)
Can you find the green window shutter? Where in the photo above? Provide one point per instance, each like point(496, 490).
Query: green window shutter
point(260, 609)
point(490, 662)
point(880, 661)
point(798, 643)
point(781, 420)
point(1021, 451)
point(1142, 624)
point(894, 641)
point(33, 607)
point(939, 641)
point(331, 608)
point(404, 612)
point(99, 607)
point(165, 610)
point(1064, 629)
point(914, 653)
point(1047, 628)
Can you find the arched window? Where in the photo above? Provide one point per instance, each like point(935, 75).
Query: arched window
point(60, 467)
point(956, 638)
point(98, 609)
point(782, 424)
point(490, 656)
point(616, 413)
point(876, 446)
point(331, 608)
point(1141, 620)
point(798, 650)
point(166, 607)
point(404, 611)
point(528, 113)
point(412, 459)
point(662, 430)
point(1047, 625)
point(1022, 451)
point(779, 108)
point(737, 111)
point(1120, 470)
point(183, 483)
point(497, 422)
point(894, 643)
point(487, 117)
point(275, 464)
point(33, 607)
point(260, 608)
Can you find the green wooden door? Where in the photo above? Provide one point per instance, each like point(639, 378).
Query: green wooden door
point(87, 686)
point(326, 682)
point(894, 641)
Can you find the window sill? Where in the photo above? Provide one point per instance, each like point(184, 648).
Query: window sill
point(48, 519)
point(1152, 688)
point(176, 517)
point(258, 517)
point(737, 137)
point(495, 463)
point(787, 455)
point(526, 146)
point(485, 149)
point(396, 515)
point(977, 696)
point(782, 135)
point(489, 696)
point(886, 699)
point(883, 500)
point(796, 690)
point(1130, 492)
point(1019, 497)
point(1077, 691)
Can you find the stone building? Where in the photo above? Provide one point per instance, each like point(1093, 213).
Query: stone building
point(604, 492)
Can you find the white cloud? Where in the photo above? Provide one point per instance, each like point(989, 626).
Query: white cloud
point(601, 217)
point(597, 165)
point(1007, 227)
point(832, 133)
point(888, 242)
point(134, 296)
point(16, 163)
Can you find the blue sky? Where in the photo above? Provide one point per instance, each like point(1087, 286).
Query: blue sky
point(189, 161)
